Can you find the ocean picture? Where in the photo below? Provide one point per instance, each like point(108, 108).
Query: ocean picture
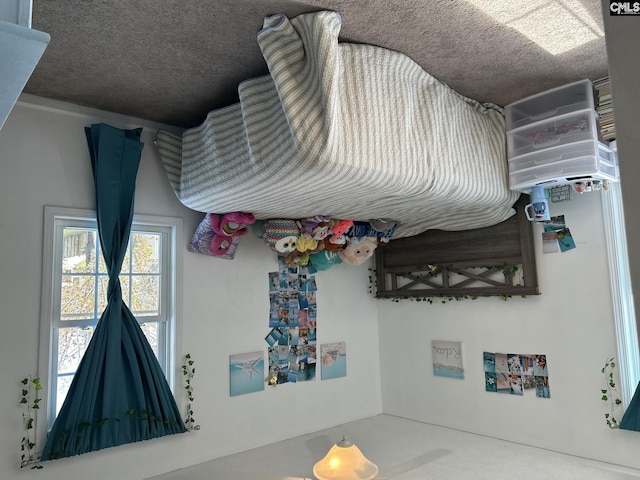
point(447, 359)
point(334, 360)
point(246, 373)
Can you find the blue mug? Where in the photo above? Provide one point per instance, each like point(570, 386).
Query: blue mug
point(538, 209)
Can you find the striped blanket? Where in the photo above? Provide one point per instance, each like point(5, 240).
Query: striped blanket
point(346, 130)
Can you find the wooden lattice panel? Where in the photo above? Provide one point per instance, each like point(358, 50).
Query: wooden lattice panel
point(496, 260)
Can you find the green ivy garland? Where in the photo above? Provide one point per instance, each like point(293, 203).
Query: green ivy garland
point(610, 393)
point(188, 371)
point(30, 401)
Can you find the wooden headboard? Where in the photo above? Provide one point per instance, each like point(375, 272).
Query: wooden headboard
point(497, 260)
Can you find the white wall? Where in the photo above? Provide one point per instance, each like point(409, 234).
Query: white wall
point(44, 161)
point(571, 322)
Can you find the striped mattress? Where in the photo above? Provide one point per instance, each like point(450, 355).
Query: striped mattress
point(346, 130)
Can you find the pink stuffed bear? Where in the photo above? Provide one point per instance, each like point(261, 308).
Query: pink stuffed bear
point(226, 227)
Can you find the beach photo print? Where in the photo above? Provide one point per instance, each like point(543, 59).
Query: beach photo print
point(246, 373)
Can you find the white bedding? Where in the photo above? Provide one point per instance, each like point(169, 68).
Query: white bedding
point(347, 130)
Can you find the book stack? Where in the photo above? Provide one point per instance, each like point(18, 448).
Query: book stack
point(604, 107)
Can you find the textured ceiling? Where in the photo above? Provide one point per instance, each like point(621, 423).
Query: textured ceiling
point(172, 61)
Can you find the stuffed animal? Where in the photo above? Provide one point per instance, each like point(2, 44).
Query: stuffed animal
point(232, 224)
point(227, 226)
point(324, 260)
point(308, 224)
point(358, 250)
point(334, 243)
point(306, 243)
point(373, 228)
point(297, 259)
point(201, 241)
point(281, 234)
point(338, 231)
point(317, 227)
point(220, 245)
point(382, 224)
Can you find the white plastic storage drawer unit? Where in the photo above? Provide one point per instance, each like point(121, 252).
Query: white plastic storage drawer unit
point(579, 162)
point(557, 101)
point(565, 129)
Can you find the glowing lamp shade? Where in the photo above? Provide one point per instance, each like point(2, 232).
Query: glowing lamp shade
point(345, 461)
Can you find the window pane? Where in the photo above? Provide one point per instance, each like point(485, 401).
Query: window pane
point(103, 283)
point(72, 343)
point(102, 266)
point(146, 247)
point(125, 286)
point(151, 332)
point(63, 384)
point(78, 250)
point(127, 259)
point(145, 295)
point(77, 297)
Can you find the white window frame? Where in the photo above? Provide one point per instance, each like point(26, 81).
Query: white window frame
point(628, 359)
point(57, 218)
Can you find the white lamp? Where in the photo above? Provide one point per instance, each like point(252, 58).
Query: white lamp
point(345, 461)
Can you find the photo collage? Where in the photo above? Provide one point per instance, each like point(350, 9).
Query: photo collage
point(292, 345)
point(293, 313)
point(515, 373)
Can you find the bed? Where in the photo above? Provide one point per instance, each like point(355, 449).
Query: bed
point(345, 130)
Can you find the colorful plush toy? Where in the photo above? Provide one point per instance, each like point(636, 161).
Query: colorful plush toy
point(281, 234)
point(299, 258)
point(232, 224)
point(324, 260)
point(201, 241)
point(308, 224)
point(379, 228)
point(338, 231)
point(358, 250)
point(225, 228)
point(333, 243)
point(307, 243)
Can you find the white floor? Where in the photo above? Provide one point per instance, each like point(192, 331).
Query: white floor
point(406, 450)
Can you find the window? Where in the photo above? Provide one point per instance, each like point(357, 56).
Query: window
point(75, 291)
point(622, 294)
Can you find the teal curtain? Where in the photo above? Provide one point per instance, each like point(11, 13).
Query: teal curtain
point(631, 418)
point(119, 393)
